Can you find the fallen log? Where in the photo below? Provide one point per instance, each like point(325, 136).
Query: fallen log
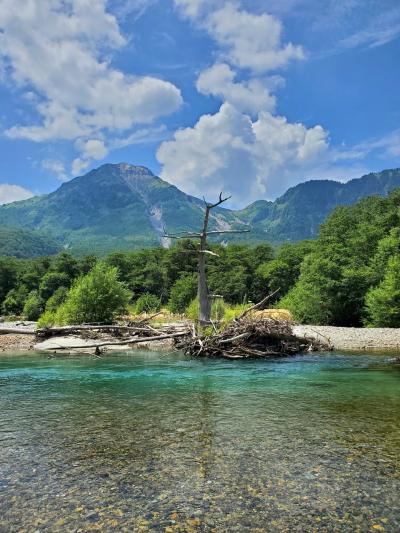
point(56, 330)
point(16, 331)
point(122, 341)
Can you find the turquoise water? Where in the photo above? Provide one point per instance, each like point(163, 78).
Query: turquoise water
point(157, 442)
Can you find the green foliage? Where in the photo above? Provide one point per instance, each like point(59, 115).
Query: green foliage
point(383, 301)
point(52, 281)
point(33, 306)
point(348, 259)
point(15, 300)
point(96, 212)
point(47, 320)
point(23, 243)
point(234, 311)
point(182, 293)
point(281, 273)
point(56, 299)
point(97, 297)
point(147, 303)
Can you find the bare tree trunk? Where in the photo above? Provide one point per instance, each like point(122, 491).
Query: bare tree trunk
point(203, 293)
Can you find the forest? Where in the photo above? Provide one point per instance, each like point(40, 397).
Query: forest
point(348, 276)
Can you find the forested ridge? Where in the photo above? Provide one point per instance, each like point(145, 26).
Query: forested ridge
point(349, 276)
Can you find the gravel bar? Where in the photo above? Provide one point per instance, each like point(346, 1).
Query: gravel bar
point(354, 339)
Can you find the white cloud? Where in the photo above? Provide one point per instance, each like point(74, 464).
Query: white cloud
point(56, 49)
point(90, 149)
point(250, 40)
point(252, 96)
point(13, 193)
point(56, 167)
point(250, 159)
point(246, 40)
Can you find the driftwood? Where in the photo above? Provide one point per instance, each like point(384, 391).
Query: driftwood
point(122, 341)
point(251, 338)
point(16, 331)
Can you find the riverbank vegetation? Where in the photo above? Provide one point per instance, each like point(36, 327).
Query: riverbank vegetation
point(348, 276)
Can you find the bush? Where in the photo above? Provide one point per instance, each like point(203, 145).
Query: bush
point(182, 293)
point(220, 310)
point(47, 319)
point(15, 301)
point(147, 303)
point(383, 301)
point(97, 297)
point(58, 298)
point(33, 306)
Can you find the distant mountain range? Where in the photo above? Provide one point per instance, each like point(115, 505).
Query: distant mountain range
point(123, 207)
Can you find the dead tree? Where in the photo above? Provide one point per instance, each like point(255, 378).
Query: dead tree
point(203, 292)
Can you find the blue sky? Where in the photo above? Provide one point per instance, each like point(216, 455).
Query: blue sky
point(247, 96)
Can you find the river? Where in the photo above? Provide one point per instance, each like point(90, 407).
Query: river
point(148, 441)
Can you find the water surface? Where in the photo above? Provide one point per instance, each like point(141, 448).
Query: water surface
point(157, 442)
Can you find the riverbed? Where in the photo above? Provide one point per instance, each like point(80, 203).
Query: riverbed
point(152, 441)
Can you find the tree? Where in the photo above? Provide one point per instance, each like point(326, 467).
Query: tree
point(182, 293)
point(33, 307)
point(203, 292)
point(383, 302)
point(97, 297)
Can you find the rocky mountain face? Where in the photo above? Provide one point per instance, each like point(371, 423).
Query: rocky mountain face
point(123, 207)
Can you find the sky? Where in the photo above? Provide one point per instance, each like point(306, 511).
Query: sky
point(249, 97)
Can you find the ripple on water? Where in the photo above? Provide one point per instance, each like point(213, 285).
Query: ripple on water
point(156, 442)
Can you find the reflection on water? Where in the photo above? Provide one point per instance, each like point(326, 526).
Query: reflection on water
point(156, 442)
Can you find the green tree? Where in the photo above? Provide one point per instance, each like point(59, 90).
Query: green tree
point(147, 303)
point(97, 297)
point(33, 307)
point(383, 302)
point(182, 293)
point(51, 281)
point(15, 300)
point(56, 299)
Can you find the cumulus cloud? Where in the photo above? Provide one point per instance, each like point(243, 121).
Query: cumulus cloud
point(244, 148)
point(56, 49)
point(55, 167)
point(90, 149)
point(250, 159)
point(13, 193)
point(246, 40)
point(252, 96)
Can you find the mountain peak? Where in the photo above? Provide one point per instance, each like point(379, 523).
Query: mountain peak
point(126, 168)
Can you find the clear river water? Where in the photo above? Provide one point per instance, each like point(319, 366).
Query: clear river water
point(152, 441)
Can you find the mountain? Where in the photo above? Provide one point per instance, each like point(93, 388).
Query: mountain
point(122, 207)
point(115, 207)
point(300, 211)
point(24, 243)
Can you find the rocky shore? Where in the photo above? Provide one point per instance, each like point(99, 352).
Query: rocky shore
point(354, 339)
point(341, 338)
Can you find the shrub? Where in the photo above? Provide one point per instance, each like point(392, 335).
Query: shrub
point(59, 297)
point(33, 306)
point(147, 303)
point(97, 297)
point(47, 319)
point(182, 293)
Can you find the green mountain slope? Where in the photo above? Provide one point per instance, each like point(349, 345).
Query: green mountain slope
point(299, 212)
point(24, 243)
point(115, 207)
point(121, 207)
